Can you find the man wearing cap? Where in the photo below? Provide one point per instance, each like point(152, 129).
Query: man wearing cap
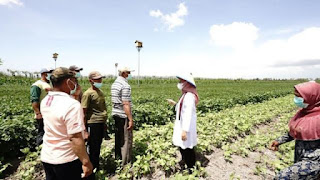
point(63, 152)
point(76, 70)
point(94, 107)
point(38, 91)
point(122, 115)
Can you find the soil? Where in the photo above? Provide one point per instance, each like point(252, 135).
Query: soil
point(242, 168)
point(217, 167)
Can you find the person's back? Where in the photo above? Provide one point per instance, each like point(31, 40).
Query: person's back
point(63, 153)
point(60, 119)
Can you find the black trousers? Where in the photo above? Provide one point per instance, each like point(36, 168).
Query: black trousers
point(40, 132)
point(71, 170)
point(189, 157)
point(96, 134)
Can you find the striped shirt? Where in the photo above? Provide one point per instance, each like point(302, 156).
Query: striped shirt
point(120, 91)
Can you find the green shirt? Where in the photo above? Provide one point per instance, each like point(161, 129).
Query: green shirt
point(39, 90)
point(94, 102)
point(35, 92)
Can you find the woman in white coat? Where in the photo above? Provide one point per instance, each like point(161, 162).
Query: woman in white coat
point(185, 127)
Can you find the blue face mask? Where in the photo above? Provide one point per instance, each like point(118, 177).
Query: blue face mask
point(72, 91)
point(129, 77)
point(97, 85)
point(48, 77)
point(77, 75)
point(299, 102)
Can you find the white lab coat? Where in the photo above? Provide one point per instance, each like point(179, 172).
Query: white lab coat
point(187, 122)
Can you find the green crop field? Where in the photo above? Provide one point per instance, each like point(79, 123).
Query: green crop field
point(229, 115)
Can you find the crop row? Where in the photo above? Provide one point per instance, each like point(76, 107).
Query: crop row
point(17, 126)
point(153, 149)
point(259, 140)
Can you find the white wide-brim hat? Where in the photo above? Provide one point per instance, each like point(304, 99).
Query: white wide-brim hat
point(188, 77)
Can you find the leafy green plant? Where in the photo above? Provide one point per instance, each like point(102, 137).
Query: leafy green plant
point(228, 109)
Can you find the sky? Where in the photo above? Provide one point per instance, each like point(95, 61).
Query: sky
point(208, 38)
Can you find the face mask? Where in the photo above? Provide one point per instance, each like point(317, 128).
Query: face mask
point(48, 77)
point(180, 86)
point(97, 85)
point(299, 102)
point(129, 77)
point(72, 91)
point(77, 75)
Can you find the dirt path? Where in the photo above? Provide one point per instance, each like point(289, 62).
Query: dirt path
point(241, 167)
point(218, 168)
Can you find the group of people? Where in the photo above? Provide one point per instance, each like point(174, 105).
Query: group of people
point(67, 117)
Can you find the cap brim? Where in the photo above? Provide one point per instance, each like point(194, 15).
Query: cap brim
point(126, 70)
point(99, 77)
point(79, 69)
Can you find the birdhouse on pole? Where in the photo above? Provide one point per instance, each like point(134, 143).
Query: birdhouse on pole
point(138, 44)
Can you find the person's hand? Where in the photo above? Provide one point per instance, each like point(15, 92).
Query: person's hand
point(274, 146)
point(39, 116)
point(86, 135)
point(130, 127)
point(87, 169)
point(184, 135)
point(171, 102)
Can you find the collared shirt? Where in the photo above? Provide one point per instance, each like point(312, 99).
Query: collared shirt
point(120, 91)
point(62, 117)
point(94, 102)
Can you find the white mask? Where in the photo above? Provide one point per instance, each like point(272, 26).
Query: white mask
point(180, 86)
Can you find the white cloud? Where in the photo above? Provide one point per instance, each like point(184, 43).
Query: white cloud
point(236, 35)
point(297, 49)
point(172, 20)
point(284, 31)
point(291, 57)
point(11, 2)
point(238, 51)
point(156, 13)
